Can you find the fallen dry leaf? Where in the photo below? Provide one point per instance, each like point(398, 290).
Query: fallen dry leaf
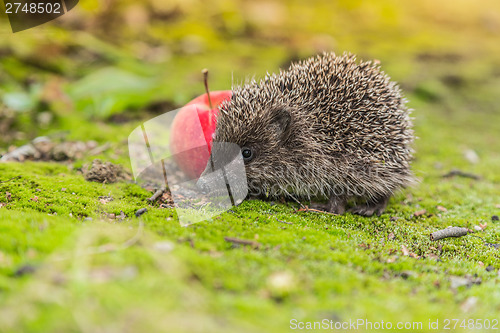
point(420, 212)
point(391, 236)
point(405, 251)
point(441, 209)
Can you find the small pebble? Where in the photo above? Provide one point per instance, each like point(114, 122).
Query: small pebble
point(495, 218)
point(25, 270)
point(478, 228)
point(489, 268)
point(406, 274)
point(141, 211)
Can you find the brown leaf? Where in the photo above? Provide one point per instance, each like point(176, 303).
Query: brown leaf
point(35, 199)
point(420, 212)
point(8, 196)
point(405, 251)
point(391, 236)
point(441, 209)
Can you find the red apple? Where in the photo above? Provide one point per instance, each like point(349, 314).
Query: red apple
point(191, 146)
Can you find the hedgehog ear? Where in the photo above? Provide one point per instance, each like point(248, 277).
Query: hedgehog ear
point(281, 120)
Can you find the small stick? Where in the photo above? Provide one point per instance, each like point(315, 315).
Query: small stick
point(8, 180)
point(283, 221)
point(307, 209)
point(456, 172)
point(157, 194)
point(241, 241)
point(449, 232)
point(295, 199)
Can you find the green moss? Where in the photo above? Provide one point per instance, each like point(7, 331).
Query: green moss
point(63, 272)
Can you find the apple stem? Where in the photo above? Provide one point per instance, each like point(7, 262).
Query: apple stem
point(205, 81)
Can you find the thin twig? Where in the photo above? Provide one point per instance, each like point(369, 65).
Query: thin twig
point(449, 232)
point(100, 149)
point(496, 246)
point(460, 173)
point(8, 180)
point(295, 199)
point(157, 194)
point(283, 221)
point(241, 241)
point(307, 209)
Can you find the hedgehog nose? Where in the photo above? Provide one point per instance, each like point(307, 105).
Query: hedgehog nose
point(202, 186)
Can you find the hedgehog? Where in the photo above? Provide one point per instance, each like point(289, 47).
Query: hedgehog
point(327, 127)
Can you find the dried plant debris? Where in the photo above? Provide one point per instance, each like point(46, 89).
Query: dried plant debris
point(238, 241)
point(449, 232)
point(420, 213)
point(140, 212)
point(157, 194)
point(460, 173)
point(44, 149)
point(104, 172)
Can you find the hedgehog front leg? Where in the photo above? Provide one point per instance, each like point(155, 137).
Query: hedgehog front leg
point(336, 204)
point(371, 207)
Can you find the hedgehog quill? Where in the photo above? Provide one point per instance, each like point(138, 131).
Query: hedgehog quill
point(327, 127)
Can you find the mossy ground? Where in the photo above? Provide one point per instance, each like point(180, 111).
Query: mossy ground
point(61, 272)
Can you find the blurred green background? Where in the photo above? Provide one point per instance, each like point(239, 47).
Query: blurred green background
point(107, 66)
point(111, 61)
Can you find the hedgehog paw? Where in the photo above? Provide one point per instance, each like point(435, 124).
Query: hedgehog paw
point(336, 205)
point(370, 208)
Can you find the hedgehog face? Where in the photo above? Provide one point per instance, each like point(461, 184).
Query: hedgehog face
point(265, 141)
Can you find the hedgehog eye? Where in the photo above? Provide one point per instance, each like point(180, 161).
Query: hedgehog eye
point(247, 154)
